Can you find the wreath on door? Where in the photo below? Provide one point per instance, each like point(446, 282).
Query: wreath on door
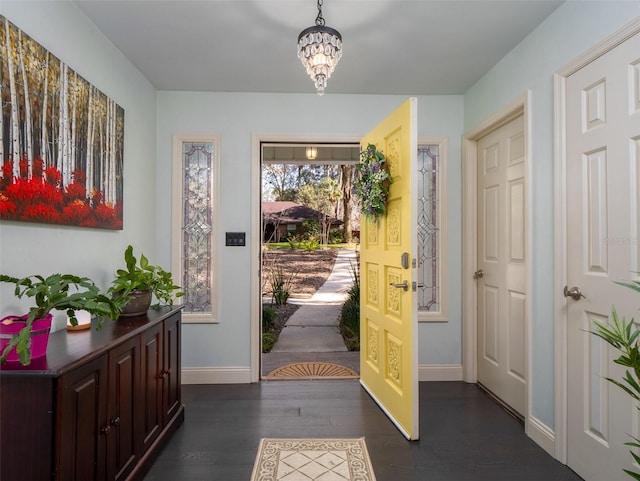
point(371, 183)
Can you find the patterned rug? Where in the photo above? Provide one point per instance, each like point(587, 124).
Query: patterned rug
point(312, 460)
point(312, 370)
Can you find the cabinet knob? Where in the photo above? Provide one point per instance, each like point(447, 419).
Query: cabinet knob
point(116, 421)
point(106, 430)
point(168, 371)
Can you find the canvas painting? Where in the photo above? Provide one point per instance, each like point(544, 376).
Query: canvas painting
point(61, 140)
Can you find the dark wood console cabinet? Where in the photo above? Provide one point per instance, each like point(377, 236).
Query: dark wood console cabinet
point(99, 406)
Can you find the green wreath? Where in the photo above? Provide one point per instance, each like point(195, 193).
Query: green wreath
point(371, 183)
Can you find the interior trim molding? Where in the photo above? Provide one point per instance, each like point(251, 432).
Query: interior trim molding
point(560, 212)
point(216, 375)
point(541, 434)
point(440, 372)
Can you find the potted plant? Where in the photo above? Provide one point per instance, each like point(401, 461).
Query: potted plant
point(624, 336)
point(136, 284)
point(25, 337)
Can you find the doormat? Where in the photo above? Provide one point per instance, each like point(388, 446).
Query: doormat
point(312, 460)
point(312, 370)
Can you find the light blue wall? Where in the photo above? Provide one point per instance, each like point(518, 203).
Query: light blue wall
point(568, 32)
point(38, 248)
point(236, 117)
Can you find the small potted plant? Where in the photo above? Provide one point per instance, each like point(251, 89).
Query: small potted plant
point(25, 337)
point(136, 284)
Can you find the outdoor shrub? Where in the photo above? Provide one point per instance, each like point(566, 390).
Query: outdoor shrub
point(310, 228)
point(280, 285)
point(336, 236)
point(268, 316)
point(268, 341)
point(309, 245)
point(350, 314)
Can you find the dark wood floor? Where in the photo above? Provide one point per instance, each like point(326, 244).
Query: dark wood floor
point(464, 434)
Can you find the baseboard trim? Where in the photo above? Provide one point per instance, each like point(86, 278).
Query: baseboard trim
point(216, 375)
point(440, 372)
point(542, 435)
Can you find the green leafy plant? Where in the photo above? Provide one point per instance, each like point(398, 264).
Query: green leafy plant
point(350, 313)
point(268, 341)
point(64, 292)
point(268, 316)
point(280, 284)
point(623, 336)
point(309, 245)
point(143, 276)
point(371, 183)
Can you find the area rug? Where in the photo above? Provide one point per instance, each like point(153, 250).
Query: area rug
point(312, 460)
point(312, 370)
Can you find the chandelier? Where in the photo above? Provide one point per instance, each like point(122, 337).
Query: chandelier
point(319, 50)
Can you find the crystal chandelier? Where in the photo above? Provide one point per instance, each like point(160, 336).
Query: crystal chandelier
point(319, 50)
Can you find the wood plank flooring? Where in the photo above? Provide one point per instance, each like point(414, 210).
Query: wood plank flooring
point(464, 434)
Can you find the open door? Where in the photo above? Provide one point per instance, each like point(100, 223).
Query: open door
point(388, 306)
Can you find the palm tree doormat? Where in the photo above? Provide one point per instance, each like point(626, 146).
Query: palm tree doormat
point(312, 460)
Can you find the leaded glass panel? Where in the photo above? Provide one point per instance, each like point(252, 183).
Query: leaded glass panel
point(428, 289)
point(197, 226)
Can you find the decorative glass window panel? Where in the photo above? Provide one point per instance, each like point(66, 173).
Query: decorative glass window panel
point(194, 226)
point(430, 245)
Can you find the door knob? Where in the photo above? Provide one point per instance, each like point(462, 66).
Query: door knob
point(574, 293)
point(479, 274)
point(404, 285)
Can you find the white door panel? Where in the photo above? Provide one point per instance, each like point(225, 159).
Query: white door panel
point(502, 251)
point(603, 131)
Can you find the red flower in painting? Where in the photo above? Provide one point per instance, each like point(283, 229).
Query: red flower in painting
point(76, 191)
point(31, 192)
point(105, 214)
point(41, 213)
point(76, 212)
point(90, 221)
point(53, 175)
point(7, 169)
point(8, 209)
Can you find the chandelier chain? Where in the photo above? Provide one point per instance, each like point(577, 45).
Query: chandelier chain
point(320, 18)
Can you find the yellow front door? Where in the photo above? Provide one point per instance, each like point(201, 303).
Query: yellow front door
point(388, 309)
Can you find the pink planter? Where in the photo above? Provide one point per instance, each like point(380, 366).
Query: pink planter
point(39, 335)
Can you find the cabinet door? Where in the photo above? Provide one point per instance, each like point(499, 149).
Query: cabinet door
point(124, 438)
point(82, 437)
point(152, 374)
point(172, 341)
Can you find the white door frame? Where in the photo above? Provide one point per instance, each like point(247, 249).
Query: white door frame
point(560, 207)
point(255, 241)
point(519, 106)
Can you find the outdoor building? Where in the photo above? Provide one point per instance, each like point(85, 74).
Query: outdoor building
point(284, 219)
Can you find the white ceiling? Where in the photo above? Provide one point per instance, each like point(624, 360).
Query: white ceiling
point(406, 47)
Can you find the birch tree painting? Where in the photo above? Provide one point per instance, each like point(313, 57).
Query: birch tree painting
point(61, 140)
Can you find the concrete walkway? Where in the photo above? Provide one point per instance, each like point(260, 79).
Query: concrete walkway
point(314, 326)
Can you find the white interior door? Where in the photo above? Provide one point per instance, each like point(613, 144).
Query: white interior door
point(502, 263)
point(603, 185)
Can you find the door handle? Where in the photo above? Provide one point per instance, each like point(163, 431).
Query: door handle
point(479, 274)
point(404, 285)
point(574, 293)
